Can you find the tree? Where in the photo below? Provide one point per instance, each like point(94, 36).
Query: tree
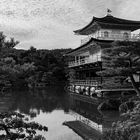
point(2, 39)
point(122, 59)
point(16, 126)
point(128, 126)
point(11, 43)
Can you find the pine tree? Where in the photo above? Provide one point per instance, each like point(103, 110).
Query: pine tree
point(122, 59)
point(18, 126)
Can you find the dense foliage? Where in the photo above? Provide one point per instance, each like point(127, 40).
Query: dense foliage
point(128, 127)
point(17, 126)
point(122, 59)
point(27, 68)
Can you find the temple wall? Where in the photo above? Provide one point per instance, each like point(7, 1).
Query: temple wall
point(114, 30)
point(118, 34)
point(94, 35)
point(92, 52)
point(96, 56)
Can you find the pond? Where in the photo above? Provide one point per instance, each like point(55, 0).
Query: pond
point(52, 107)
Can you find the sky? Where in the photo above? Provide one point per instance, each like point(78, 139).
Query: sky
point(49, 24)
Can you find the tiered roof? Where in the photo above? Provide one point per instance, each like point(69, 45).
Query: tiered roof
point(108, 22)
point(91, 43)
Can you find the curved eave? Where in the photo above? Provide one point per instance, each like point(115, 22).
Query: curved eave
point(82, 46)
point(108, 22)
point(131, 27)
point(91, 29)
point(96, 41)
point(83, 31)
point(115, 20)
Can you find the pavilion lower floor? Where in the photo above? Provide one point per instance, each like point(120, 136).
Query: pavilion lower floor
point(89, 77)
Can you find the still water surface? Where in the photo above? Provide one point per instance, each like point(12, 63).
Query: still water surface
point(52, 107)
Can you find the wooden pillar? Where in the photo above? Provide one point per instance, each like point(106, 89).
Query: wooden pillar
point(101, 70)
point(75, 58)
point(79, 60)
point(89, 75)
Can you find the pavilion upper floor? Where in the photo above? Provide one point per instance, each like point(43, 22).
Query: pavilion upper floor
point(112, 35)
point(104, 31)
point(110, 28)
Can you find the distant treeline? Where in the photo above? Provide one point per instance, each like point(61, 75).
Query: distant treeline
point(22, 68)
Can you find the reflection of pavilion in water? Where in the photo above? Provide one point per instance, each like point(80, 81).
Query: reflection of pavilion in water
point(89, 115)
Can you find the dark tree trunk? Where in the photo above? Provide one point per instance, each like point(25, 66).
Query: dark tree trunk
point(135, 86)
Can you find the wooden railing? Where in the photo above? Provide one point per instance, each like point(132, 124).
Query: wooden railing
point(95, 82)
point(84, 61)
point(119, 36)
point(113, 36)
point(106, 82)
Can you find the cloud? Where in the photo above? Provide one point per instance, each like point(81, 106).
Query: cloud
point(17, 28)
point(53, 35)
point(50, 23)
point(99, 7)
point(130, 9)
point(41, 22)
